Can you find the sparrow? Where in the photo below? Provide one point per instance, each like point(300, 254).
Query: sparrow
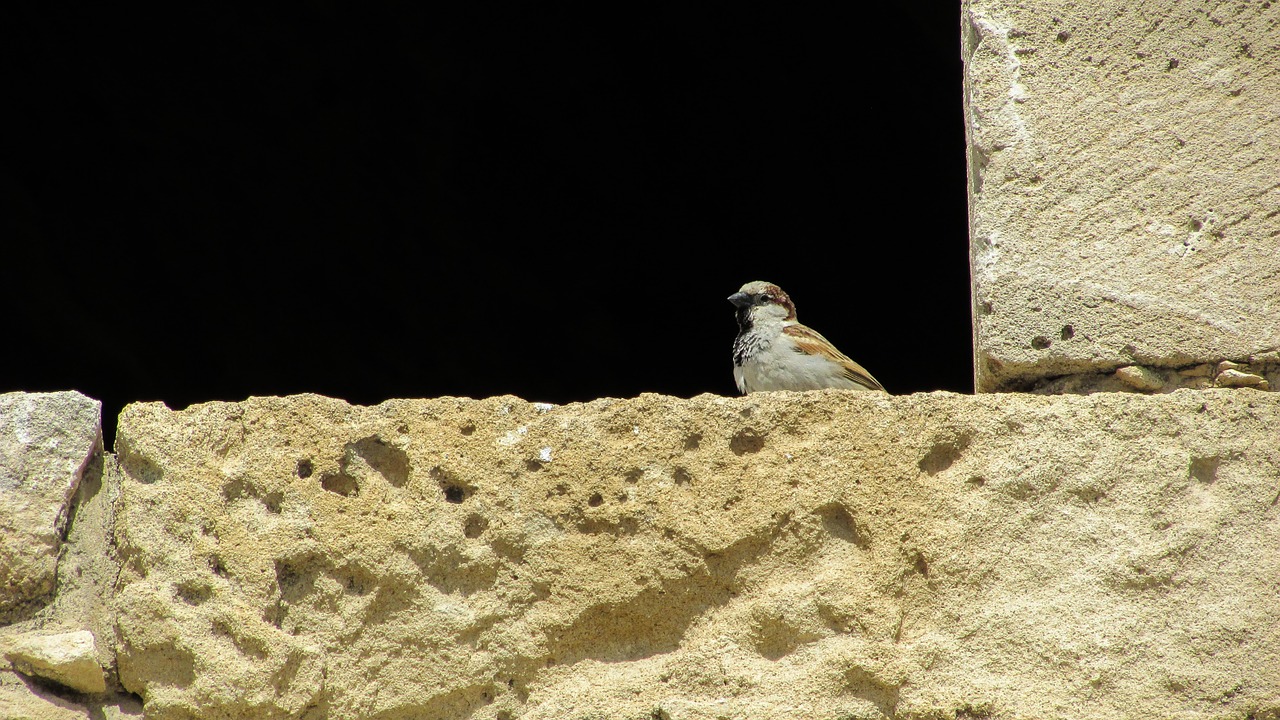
point(775, 352)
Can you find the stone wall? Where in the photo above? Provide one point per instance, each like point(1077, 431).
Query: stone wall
point(813, 555)
point(1124, 193)
point(1102, 546)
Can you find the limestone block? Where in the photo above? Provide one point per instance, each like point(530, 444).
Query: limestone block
point(46, 441)
point(811, 555)
point(1123, 194)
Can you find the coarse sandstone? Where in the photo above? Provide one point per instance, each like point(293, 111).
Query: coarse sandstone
point(1123, 187)
point(797, 555)
point(46, 442)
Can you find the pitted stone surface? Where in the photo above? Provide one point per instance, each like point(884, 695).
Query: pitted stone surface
point(789, 555)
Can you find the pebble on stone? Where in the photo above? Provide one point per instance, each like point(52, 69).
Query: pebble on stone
point(1236, 378)
point(66, 658)
point(1140, 378)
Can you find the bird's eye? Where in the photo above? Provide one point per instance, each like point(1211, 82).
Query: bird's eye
point(762, 300)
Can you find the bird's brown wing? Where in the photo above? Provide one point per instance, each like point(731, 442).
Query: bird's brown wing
point(810, 342)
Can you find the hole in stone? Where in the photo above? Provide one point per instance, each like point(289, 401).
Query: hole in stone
point(682, 476)
point(746, 441)
point(235, 489)
point(454, 493)
point(1205, 469)
point(943, 455)
point(192, 593)
point(1067, 333)
point(1040, 342)
point(1088, 494)
point(142, 469)
point(871, 688)
point(1173, 63)
point(977, 481)
point(355, 586)
point(295, 578)
point(467, 429)
point(387, 460)
point(693, 441)
point(340, 484)
point(839, 523)
point(215, 564)
point(475, 527)
point(305, 469)
point(455, 490)
point(596, 500)
point(272, 501)
point(919, 565)
point(634, 475)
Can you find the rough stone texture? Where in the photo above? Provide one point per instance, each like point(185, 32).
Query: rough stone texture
point(46, 442)
point(69, 659)
point(1124, 198)
point(19, 700)
point(811, 555)
point(23, 699)
point(1261, 374)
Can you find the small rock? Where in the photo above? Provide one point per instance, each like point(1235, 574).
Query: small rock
point(1140, 378)
point(68, 659)
point(1235, 378)
point(1201, 370)
point(1226, 365)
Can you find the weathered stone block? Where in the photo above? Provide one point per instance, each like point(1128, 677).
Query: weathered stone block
point(810, 555)
point(46, 442)
point(1124, 186)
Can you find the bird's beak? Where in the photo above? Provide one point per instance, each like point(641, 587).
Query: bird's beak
point(740, 299)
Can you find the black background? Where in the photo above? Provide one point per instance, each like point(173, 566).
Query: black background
point(392, 201)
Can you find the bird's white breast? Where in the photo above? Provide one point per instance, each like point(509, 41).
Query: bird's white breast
point(778, 366)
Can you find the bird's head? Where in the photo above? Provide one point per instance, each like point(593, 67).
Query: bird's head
point(759, 300)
